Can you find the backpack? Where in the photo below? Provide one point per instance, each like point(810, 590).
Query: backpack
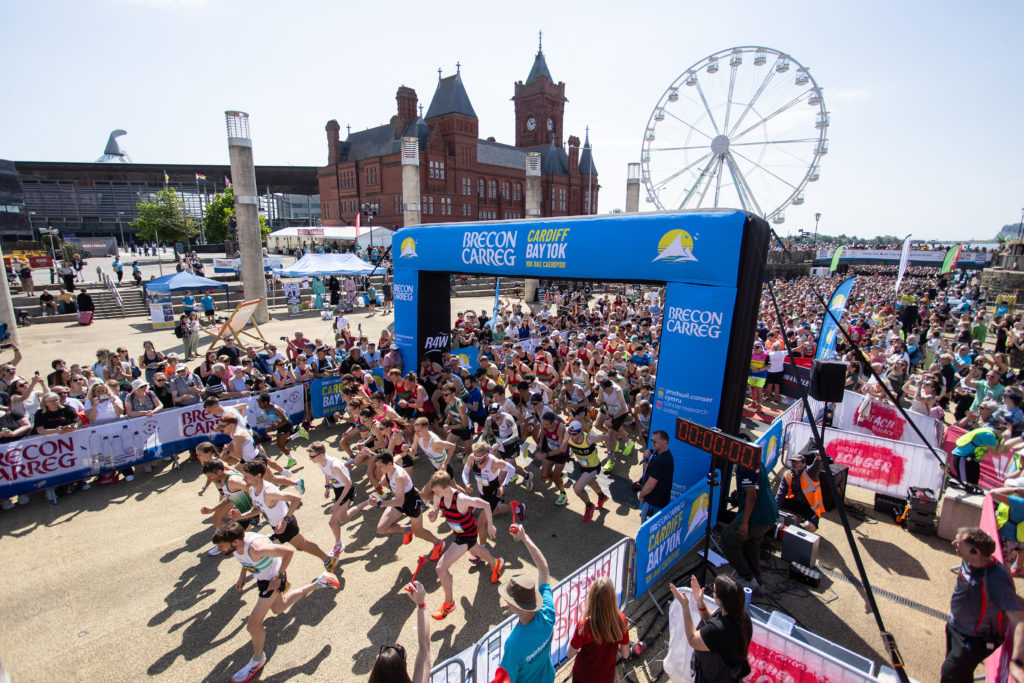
point(179, 330)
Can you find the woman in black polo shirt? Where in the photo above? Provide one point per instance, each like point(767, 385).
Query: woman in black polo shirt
point(54, 418)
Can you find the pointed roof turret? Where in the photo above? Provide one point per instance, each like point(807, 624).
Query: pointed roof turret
point(540, 67)
point(586, 159)
point(450, 97)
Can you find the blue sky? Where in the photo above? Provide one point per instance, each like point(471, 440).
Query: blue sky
point(923, 138)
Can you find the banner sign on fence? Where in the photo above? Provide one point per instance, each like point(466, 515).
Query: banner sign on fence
point(771, 442)
point(668, 535)
point(933, 257)
point(325, 396)
point(795, 375)
point(994, 467)
point(863, 415)
point(876, 464)
point(44, 461)
point(570, 596)
point(233, 265)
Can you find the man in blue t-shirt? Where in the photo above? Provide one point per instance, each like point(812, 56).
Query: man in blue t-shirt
point(188, 302)
point(527, 650)
point(207, 302)
point(656, 483)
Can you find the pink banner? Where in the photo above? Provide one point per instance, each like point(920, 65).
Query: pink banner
point(868, 461)
point(881, 420)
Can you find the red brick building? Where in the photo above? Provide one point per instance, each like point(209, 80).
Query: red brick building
point(462, 178)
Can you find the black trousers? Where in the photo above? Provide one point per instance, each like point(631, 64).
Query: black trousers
point(963, 655)
point(967, 468)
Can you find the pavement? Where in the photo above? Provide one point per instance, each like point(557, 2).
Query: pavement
point(114, 583)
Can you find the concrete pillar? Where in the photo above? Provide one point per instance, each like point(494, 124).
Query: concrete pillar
point(7, 307)
point(411, 181)
point(250, 242)
point(632, 188)
point(533, 200)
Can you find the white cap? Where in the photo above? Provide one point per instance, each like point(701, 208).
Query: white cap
point(575, 426)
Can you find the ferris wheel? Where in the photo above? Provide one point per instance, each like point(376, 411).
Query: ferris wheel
point(743, 127)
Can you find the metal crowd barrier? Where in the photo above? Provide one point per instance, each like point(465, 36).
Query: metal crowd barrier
point(449, 671)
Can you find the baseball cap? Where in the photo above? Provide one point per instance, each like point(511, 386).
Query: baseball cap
point(575, 426)
point(493, 408)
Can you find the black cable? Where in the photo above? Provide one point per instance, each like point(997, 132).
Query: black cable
point(887, 638)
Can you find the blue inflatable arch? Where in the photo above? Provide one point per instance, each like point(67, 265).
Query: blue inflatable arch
point(712, 264)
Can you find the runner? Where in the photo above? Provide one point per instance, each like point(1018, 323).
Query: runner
point(554, 453)
point(234, 495)
point(456, 419)
point(501, 426)
point(583, 446)
point(279, 509)
point(438, 452)
point(242, 448)
point(286, 431)
point(267, 562)
point(492, 476)
point(457, 509)
point(337, 480)
point(617, 410)
point(406, 502)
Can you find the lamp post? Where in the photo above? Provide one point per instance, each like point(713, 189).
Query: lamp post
point(370, 210)
point(817, 217)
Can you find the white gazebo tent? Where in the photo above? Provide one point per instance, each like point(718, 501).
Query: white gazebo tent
point(289, 238)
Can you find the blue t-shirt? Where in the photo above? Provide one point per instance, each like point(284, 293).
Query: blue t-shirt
point(189, 302)
point(207, 302)
point(527, 656)
point(477, 397)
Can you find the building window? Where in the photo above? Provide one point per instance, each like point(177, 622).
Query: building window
point(586, 202)
point(480, 187)
point(517, 192)
point(398, 205)
point(428, 205)
point(372, 175)
point(446, 206)
point(467, 186)
point(492, 189)
point(327, 210)
point(561, 199)
point(505, 191)
point(436, 170)
point(467, 210)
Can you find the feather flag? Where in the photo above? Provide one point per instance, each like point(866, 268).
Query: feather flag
point(167, 178)
point(835, 259)
point(952, 258)
point(904, 259)
point(358, 213)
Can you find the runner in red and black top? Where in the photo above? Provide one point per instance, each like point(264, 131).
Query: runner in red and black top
point(554, 452)
point(457, 509)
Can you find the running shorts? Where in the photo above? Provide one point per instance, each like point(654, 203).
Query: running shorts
point(291, 530)
point(617, 422)
point(490, 494)
point(349, 497)
point(775, 377)
point(756, 381)
point(413, 505)
point(463, 433)
point(468, 540)
point(263, 586)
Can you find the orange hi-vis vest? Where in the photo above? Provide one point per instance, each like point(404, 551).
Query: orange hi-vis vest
point(811, 490)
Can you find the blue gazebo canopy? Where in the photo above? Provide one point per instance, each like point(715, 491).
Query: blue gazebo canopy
point(180, 281)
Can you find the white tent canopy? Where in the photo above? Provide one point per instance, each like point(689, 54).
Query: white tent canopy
point(347, 233)
point(326, 264)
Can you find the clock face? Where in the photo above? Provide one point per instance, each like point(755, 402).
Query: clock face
point(551, 124)
point(531, 123)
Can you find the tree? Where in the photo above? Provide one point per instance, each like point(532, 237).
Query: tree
point(219, 212)
point(162, 217)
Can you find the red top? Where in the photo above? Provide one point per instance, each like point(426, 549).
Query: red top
point(596, 662)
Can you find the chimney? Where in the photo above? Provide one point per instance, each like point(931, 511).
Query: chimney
point(333, 141)
point(574, 154)
point(406, 98)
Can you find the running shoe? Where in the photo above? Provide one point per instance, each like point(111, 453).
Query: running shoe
point(514, 479)
point(326, 580)
point(301, 485)
point(302, 433)
point(330, 563)
point(435, 554)
point(528, 482)
point(291, 463)
point(407, 536)
point(446, 609)
point(474, 560)
point(286, 472)
point(520, 510)
point(608, 465)
point(213, 552)
point(629, 447)
point(588, 514)
point(350, 463)
point(497, 569)
point(247, 672)
point(338, 547)
point(562, 499)
point(601, 500)
point(618, 447)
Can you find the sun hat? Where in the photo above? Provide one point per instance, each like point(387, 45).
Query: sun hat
point(521, 592)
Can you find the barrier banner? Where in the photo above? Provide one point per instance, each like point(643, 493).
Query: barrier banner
point(793, 376)
point(778, 656)
point(529, 345)
point(233, 265)
point(879, 465)
point(933, 257)
point(829, 327)
point(570, 596)
point(863, 415)
point(696, 324)
point(44, 461)
point(325, 396)
point(468, 357)
point(668, 535)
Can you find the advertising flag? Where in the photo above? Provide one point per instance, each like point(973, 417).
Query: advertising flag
point(952, 257)
point(904, 258)
point(167, 178)
point(829, 328)
point(835, 259)
point(357, 222)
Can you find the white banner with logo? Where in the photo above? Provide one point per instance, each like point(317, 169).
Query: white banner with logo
point(932, 257)
point(44, 461)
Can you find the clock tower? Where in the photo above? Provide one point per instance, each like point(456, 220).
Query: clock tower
point(540, 106)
